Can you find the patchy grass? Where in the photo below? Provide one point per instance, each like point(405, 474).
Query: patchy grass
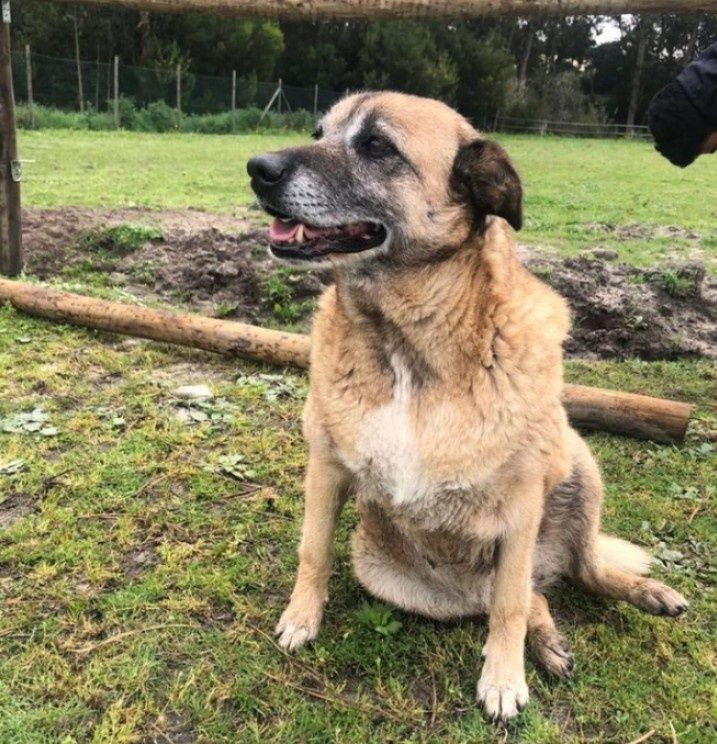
point(118, 240)
point(580, 193)
point(147, 547)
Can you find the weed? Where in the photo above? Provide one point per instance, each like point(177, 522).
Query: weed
point(118, 240)
point(676, 285)
point(277, 296)
point(379, 618)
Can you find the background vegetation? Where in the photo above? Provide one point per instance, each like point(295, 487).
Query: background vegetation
point(544, 68)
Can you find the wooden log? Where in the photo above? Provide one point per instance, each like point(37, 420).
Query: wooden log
point(635, 415)
point(220, 336)
point(385, 9)
point(609, 410)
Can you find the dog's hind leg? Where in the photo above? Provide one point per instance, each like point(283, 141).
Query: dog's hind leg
point(546, 644)
point(602, 571)
point(607, 565)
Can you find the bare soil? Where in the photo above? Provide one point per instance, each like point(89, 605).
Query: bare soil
point(218, 265)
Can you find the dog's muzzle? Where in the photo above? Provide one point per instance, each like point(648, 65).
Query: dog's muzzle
point(293, 237)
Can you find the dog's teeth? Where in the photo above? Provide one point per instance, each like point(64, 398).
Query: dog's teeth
point(285, 219)
point(299, 235)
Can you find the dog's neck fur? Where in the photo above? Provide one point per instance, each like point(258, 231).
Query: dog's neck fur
point(445, 313)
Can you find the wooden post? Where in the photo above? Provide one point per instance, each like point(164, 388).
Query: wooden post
point(97, 79)
point(80, 91)
point(10, 222)
point(316, 98)
point(179, 96)
point(28, 70)
point(115, 93)
point(234, 98)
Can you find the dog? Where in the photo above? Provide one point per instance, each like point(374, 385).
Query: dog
point(435, 390)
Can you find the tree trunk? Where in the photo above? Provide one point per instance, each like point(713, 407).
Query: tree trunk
point(145, 38)
point(523, 72)
point(691, 50)
point(643, 37)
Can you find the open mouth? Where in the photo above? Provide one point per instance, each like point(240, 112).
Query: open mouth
point(291, 238)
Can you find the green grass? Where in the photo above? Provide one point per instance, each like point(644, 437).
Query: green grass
point(147, 547)
point(141, 576)
point(573, 186)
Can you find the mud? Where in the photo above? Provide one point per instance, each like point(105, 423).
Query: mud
point(218, 265)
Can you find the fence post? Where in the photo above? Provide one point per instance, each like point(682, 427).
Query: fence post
point(28, 70)
point(234, 98)
point(115, 100)
point(316, 98)
point(10, 225)
point(80, 91)
point(179, 96)
point(97, 79)
point(278, 98)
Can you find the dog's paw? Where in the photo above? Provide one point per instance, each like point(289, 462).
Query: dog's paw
point(299, 624)
point(502, 696)
point(551, 651)
point(658, 599)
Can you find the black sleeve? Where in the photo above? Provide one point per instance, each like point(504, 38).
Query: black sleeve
point(699, 81)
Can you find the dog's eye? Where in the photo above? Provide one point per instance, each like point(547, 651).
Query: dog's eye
point(376, 146)
point(318, 133)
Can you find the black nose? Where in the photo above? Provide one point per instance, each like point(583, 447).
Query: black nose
point(267, 170)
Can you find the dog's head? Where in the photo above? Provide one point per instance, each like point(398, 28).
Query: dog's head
point(391, 179)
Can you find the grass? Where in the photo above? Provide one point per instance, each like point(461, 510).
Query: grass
point(147, 544)
point(145, 558)
point(579, 193)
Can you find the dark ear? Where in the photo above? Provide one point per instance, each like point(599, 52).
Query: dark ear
point(484, 176)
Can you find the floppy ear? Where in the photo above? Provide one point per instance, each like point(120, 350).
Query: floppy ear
point(484, 176)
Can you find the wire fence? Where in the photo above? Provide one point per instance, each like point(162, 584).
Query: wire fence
point(55, 82)
point(570, 128)
point(63, 84)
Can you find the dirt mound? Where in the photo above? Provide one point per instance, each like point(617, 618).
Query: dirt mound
point(218, 265)
point(621, 311)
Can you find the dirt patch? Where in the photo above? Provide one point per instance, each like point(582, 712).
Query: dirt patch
point(139, 561)
point(15, 507)
point(218, 265)
point(638, 231)
point(620, 311)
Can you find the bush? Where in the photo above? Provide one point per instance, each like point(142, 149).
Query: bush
point(208, 123)
point(560, 98)
point(246, 120)
point(157, 117)
point(127, 112)
point(160, 117)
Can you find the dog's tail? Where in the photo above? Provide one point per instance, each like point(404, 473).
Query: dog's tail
point(623, 555)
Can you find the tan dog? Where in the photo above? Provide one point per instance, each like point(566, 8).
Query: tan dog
point(436, 373)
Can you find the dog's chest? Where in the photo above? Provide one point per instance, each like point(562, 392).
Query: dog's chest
point(399, 451)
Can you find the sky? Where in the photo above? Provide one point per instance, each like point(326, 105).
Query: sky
point(609, 31)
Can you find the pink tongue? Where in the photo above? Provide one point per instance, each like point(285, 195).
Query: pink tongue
point(283, 231)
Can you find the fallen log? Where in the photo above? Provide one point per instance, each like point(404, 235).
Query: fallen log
point(609, 410)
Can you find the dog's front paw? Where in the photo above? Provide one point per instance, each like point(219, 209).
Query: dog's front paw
point(299, 624)
point(502, 695)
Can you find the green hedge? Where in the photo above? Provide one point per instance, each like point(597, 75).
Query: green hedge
point(159, 117)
